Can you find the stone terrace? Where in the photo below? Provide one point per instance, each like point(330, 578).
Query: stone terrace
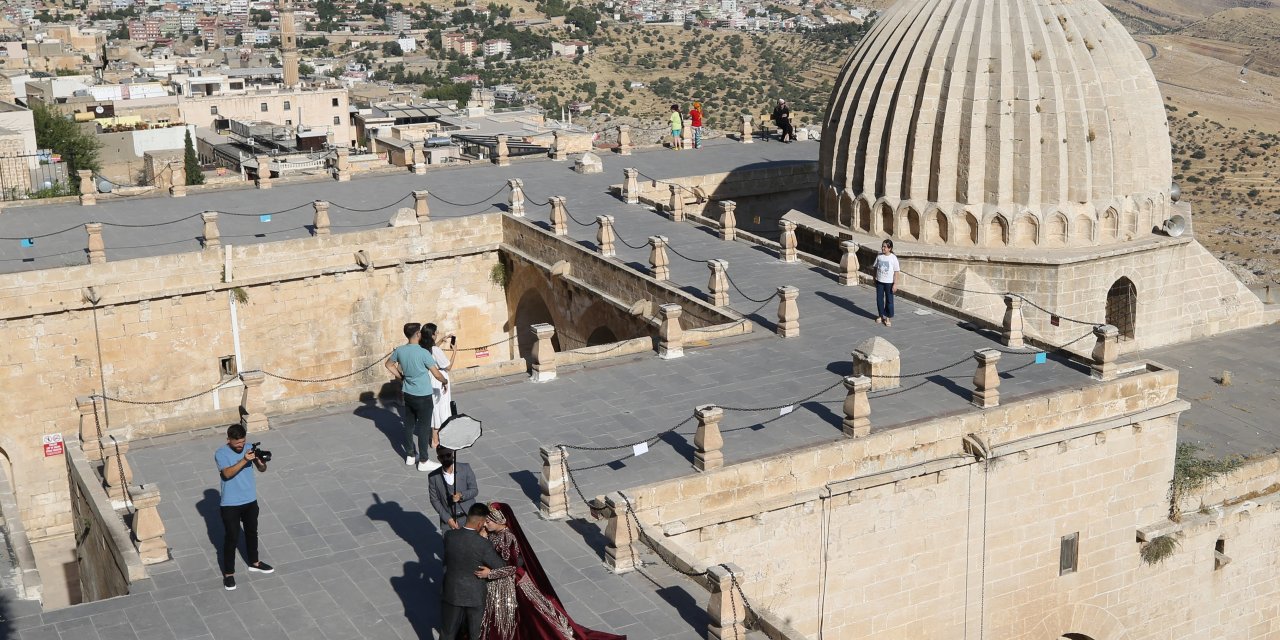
point(350, 528)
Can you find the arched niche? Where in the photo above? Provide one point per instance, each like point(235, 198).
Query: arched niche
point(969, 231)
point(601, 335)
point(864, 216)
point(911, 224)
point(886, 219)
point(1082, 232)
point(1026, 231)
point(1056, 233)
point(1110, 225)
point(530, 310)
point(847, 208)
point(937, 228)
point(1122, 307)
point(998, 231)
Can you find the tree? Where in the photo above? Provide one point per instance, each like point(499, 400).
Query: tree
point(305, 69)
point(190, 163)
point(392, 49)
point(56, 132)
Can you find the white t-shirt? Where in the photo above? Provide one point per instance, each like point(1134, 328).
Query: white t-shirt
point(442, 361)
point(886, 266)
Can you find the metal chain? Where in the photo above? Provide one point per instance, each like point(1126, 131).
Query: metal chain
point(649, 440)
point(782, 406)
point(269, 213)
point(673, 250)
point(992, 293)
point(128, 498)
point(579, 222)
point(486, 346)
point(379, 208)
point(739, 290)
point(619, 237)
point(470, 204)
point(97, 426)
point(161, 402)
point(339, 377)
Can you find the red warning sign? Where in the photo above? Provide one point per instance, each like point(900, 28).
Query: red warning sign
point(53, 445)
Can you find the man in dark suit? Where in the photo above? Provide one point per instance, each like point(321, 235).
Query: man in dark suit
point(453, 490)
point(468, 558)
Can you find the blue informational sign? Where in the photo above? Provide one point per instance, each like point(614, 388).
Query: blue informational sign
point(264, 218)
point(28, 242)
point(1042, 357)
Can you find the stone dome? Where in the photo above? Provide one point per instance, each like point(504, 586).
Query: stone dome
point(997, 123)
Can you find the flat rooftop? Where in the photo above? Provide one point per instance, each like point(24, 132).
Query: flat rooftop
point(349, 526)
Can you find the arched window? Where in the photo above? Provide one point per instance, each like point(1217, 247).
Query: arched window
point(1122, 307)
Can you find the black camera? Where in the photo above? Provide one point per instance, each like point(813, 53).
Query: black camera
point(261, 454)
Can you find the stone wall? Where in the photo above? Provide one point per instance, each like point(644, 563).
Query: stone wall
point(924, 539)
point(777, 178)
point(107, 561)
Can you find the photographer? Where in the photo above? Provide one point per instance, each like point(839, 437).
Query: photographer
point(238, 468)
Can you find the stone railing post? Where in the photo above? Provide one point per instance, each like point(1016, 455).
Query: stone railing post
point(178, 171)
point(97, 250)
point(148, 528)
point(544, 354)
point(1011, 328)
point(659, 264)
point(849, 263)
point(686, 137)
point(620, 552)
point(88, 190)
point(707, 442)
point(986, 379)
point(558, 153)
point(746, 130)
point(631, 186)
point(559, 218)
point(116, 472)
point(788, 241)
point(264, 171)
point(212, 237)
point(554, 487)
point(253, 407)
point(670, 333)
point(321, 223)
point(857, 408)
point(502, 154)
point(624, 140)
point(419, 158)
point(605, 236)
point(342, 165)
point(676, 206)
point(728, 220)
point(515, 200)
point(788, 312)
point(1105, 351)
point(421, 206)
point(726, 608)
point(90, 428)
point(718, 283)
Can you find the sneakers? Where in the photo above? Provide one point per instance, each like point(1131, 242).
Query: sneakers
point(409, 460)
point(428, 466)
point(888, 322)
point(229, 583)
point(261, 567)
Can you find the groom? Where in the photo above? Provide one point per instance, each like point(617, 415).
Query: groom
point(468, 557)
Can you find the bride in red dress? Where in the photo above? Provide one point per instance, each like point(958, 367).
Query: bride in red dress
point(520, 603)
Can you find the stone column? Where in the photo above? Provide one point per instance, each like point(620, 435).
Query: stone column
point(90, 428)
point(544, 354)
point(658, 262)
point(264, 172)
point(605, 236)
point(253, 407)
point(212, 237)
point(728, 221)
point(746, 130)
point(502, 154)
point(849, 263)
point(1011, 328)
point(559, 218)
point(631, 186)
point(116, 471)
point(857, 408)
point(624, 140)
point(88, 190)
point(322, 218)
point(558, 153)
point(707, 442)
point(620, 553)
point(788, 241)
point(515, 200)
point(986, 379)
point(97, 250)
point(670, 334)
point(727, 610)
point(676, 206)
point(419, 158)
point(788, 312)
point(342, 165)
point(422, 208)
point(718, 284)
point(179, 187)
point(1105, 351)
point(148, 528)
point(554, 487)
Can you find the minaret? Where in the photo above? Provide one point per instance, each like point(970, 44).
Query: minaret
point(289, 45)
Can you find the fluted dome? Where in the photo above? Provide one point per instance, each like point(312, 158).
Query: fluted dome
point(997, 122)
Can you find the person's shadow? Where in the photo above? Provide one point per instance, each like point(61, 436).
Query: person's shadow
point(210, 508)
point(381, 410)
point(418, 595)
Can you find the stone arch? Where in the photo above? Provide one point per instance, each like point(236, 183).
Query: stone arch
point(1081, 622)
point(1026, 231)
point(1128, 220)
point(968, 235)
point(998, 231)
point(864, 215)
point(910, 226)
point(937, 228)
point(1122, 307)
point(848, 208)
point(885, 219)
point(1146, 216)
point(831, 204)
point(1110, 225)
point(601, 335)
point(1082, 232)
point(1058, 230)
point(530, 310)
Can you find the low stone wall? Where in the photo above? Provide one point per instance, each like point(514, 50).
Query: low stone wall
point(731, 184)
point(108, 562)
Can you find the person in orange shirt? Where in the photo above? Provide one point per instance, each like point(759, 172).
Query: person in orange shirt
point(695, 121)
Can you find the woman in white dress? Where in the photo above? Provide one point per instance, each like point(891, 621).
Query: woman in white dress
point(442, 399)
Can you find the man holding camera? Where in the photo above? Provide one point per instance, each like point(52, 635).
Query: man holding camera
point(238, 468)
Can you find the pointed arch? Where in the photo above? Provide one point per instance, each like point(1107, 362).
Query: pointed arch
point(864, 215)
point(848, 206)
point(1058, 230)
point(998, 231)
point(885, 219)
point(1026, 231)
point(1122, 307)
point(910, 228)
point(937, 228)
point(1110, 225)
point(831, 204)
point(969, 230)
point(1082, 232)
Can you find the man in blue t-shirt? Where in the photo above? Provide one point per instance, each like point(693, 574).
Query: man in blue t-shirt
point(412, 364)
point(237, 468)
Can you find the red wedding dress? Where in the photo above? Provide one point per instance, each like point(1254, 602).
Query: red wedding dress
point(521, 604)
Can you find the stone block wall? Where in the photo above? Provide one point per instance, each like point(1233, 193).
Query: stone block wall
point(108, 563)
point(733, 184)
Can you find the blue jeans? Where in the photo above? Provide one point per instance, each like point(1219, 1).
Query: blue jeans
point(884, 299)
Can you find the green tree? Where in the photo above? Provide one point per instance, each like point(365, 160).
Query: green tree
point(305, 69)
point(58, 133)
point(190, 163)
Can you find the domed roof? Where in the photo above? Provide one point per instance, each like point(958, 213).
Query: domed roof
point(1020, 106)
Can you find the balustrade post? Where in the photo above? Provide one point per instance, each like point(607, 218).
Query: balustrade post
point(718, 283)
point(849, 263)
point(788, 312)
point(544, 354)
point(659, 264)
point(90, 428)
point(321, 223)
point(553, 486)
point(342, 165)
point(624, 140)
point(419, 158)
point(212, 237)
point(670, 333)
point(676, 206)
point(264, 171)
point(788, 241)
point(631, 186)
point(97, 250)
point(707, 441)
point(502, 154)
point(857, 406)
point(559, 217)
point(726, 608)
point(1011, 329)
point(515, 200)
point(116, 471)
point(728, 220)
point(746, 130)
point(620, 553)
point(986, 379)
point(1105, 351)
point(605, 236)
point(148, 528)
point(421, 206)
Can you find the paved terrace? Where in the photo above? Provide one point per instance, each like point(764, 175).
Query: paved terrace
point(350, 528)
